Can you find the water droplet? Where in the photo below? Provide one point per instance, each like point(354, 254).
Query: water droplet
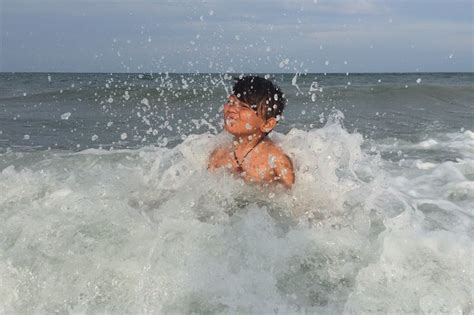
point(284, 63)
point(145, 102)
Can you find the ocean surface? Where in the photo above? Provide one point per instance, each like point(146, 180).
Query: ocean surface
point(106, 205)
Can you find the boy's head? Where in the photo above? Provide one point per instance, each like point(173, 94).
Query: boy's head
point(265, 97)
point(254, 107)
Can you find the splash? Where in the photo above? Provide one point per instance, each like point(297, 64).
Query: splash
point(152, 231)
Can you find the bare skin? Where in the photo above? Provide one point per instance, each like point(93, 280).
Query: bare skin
point(257, 159)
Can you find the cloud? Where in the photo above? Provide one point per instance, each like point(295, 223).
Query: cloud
point(191, 35)
point(350, 7)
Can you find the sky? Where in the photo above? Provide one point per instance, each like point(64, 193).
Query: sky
point(250, 36)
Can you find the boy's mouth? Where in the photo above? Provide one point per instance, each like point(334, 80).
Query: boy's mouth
point(230, 119)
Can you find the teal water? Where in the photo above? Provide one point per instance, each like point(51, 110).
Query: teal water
point(151, 107)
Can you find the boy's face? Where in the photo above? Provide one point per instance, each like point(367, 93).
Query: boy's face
point(240, 119)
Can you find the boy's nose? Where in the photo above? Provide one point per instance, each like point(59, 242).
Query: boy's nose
point(229, 108)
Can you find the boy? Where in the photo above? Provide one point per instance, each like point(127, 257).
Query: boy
point(250, 113)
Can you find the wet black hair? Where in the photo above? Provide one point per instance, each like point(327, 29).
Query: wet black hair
point(261, 94)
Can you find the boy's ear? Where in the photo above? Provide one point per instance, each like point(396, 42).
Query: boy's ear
point(268, 125)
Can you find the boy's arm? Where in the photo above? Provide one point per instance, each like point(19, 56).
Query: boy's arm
point(284, 170)
point(215, 159)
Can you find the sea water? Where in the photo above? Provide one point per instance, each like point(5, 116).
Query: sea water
point(106, 204)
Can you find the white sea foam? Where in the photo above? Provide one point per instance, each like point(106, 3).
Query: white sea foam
point(428, 143)
point(425, 165)
point(151, 231)
point(66, 116)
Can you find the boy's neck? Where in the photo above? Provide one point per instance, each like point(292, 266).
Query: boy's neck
point(246, 142)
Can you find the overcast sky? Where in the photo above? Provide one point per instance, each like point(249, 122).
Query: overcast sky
point(236, 36)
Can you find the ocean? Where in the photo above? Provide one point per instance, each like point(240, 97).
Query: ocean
point(106, 204)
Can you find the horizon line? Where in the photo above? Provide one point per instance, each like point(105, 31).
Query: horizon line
point(233, 73)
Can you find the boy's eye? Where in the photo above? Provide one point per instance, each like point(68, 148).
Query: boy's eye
point(242, 105)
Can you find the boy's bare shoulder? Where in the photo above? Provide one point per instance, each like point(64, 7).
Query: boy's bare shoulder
point(274, 150)
point(220, 151)
point(282, 165)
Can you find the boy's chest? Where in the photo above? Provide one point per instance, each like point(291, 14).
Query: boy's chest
point(254, 168)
